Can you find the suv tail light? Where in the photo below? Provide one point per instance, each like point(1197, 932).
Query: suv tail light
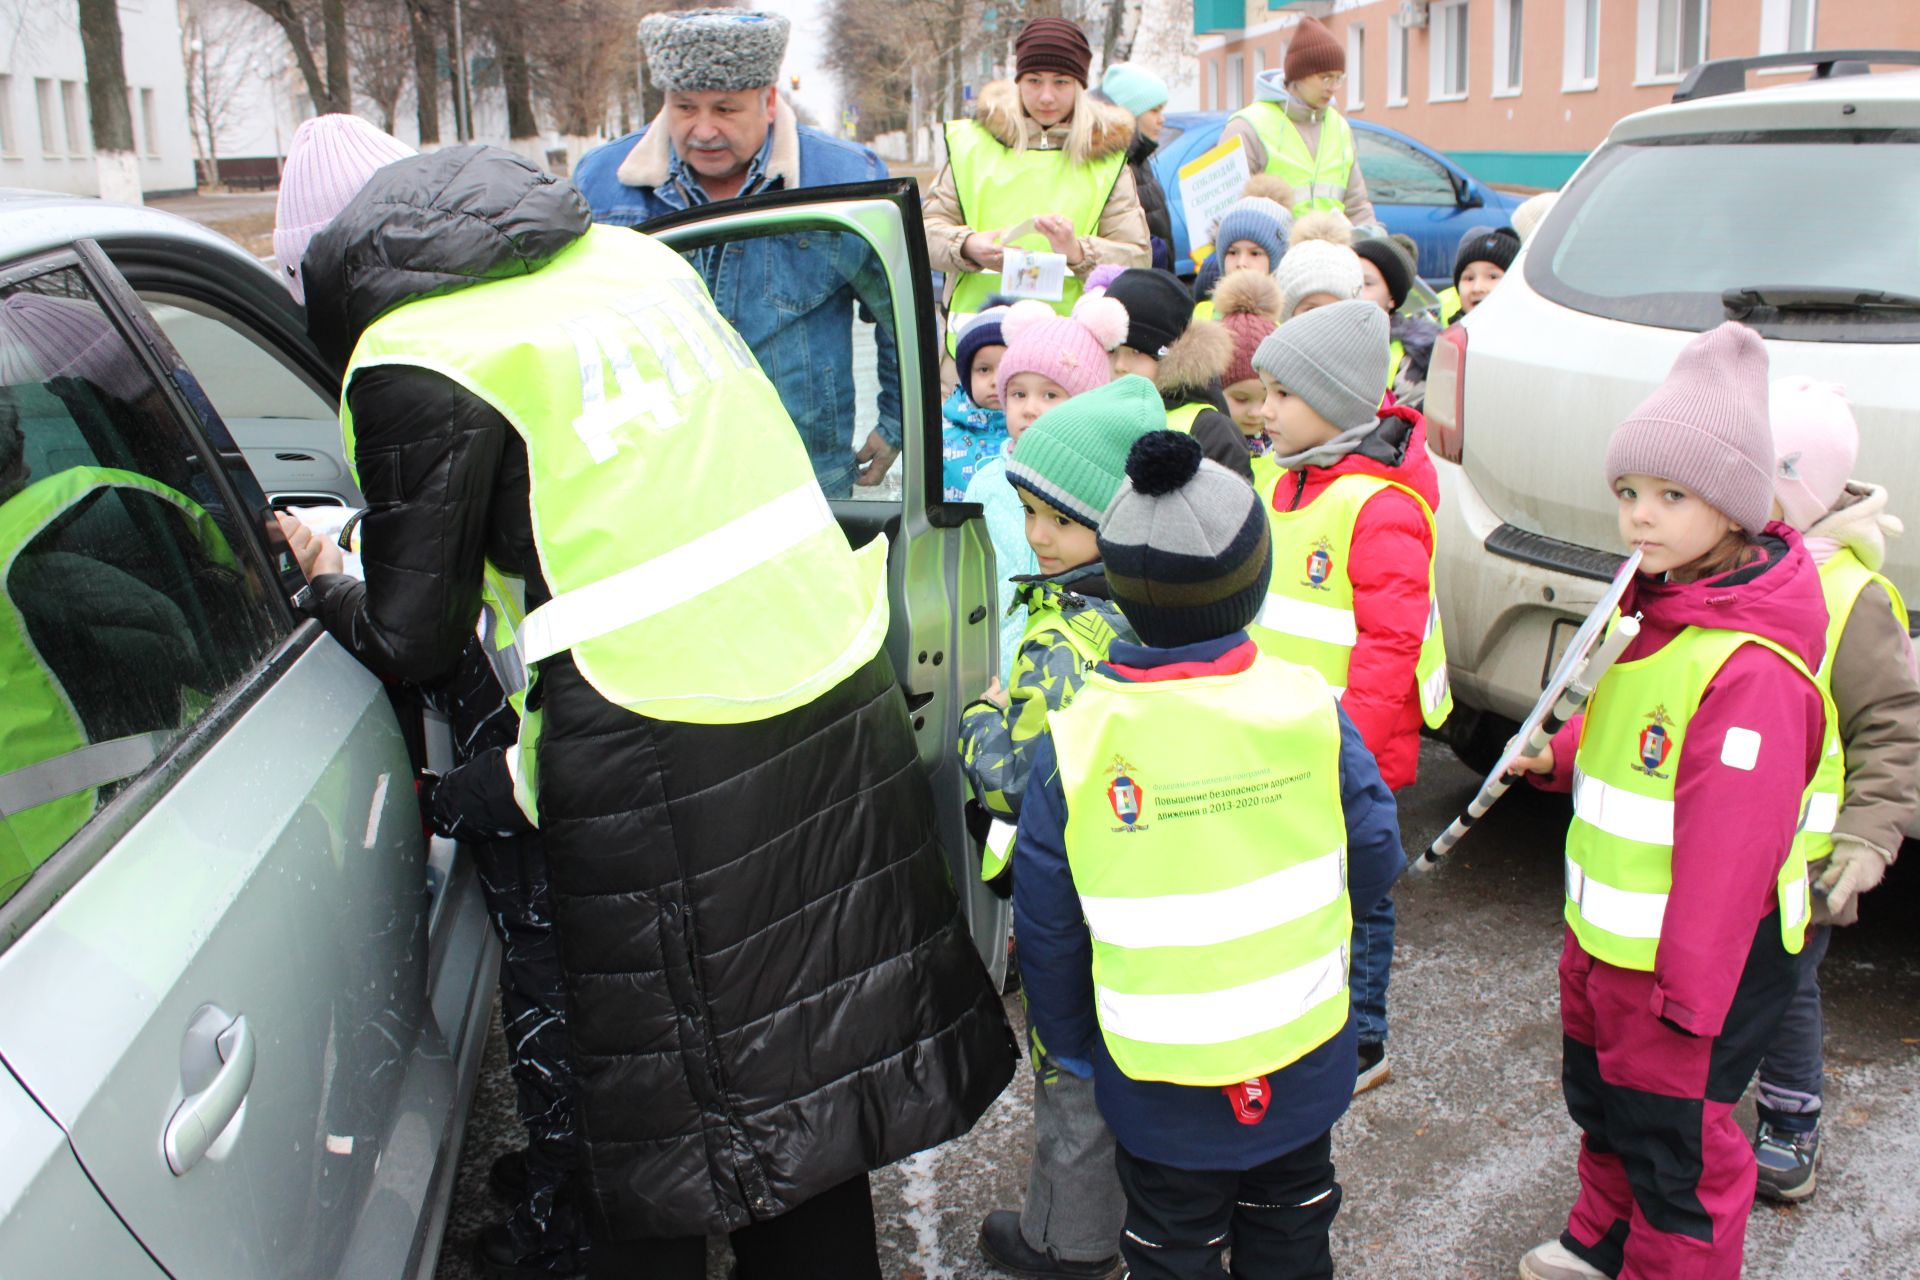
point(1447, 394)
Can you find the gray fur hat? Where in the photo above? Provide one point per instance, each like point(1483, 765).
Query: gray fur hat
point(718, 50)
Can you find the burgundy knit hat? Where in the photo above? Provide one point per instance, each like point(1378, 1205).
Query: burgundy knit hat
point(1052, 44)
point(1245, 303)
point(1312, 50)
point(1706, 427)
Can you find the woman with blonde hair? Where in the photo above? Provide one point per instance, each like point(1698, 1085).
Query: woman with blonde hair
point(1039, 148)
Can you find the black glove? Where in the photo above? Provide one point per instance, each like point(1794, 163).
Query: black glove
point(474, 801)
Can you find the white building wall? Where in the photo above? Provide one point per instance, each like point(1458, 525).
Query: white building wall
point(48, 136)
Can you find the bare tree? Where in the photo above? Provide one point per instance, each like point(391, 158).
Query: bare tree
point(379, 40)
point(305, 22)
point(426, 70)
point(113, 154)
point(223, 42)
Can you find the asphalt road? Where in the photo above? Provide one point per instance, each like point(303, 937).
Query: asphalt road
point(1466, 1159)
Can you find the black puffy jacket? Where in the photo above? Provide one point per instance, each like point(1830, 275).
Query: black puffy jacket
point(1153, 199)
point(770, 985)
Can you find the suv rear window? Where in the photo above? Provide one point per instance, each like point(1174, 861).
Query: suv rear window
point(1655, 232)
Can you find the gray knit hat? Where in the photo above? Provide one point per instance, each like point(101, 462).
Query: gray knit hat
point(1707, 427)
point(723, 50)
point(1334, 358)
point(1185, 544)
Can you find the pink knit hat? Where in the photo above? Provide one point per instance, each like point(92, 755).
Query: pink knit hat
point(42, 338)
point(1815, 444)
point(1075, 351)
point(330, 160)
point(1706, 427)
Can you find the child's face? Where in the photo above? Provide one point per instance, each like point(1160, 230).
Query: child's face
point(1244, 400)
point(1028, 396)
point(1291, 423)
point(1669, 523)
point(1476, 282)
point(1373, 286)
point(982, 379)
point(1245, 254)
point(1314, 301)
point(1126, 360)
point(1059, 541)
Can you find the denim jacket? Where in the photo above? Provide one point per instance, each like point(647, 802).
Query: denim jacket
point(792, 296)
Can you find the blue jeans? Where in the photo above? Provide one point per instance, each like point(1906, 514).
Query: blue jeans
point(1793, 1075)
point(1372, 963)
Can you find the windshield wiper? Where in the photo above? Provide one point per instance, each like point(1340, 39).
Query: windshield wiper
point(1742, 303)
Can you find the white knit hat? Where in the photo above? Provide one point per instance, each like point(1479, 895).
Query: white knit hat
point(330, 160)
point(1317, 266)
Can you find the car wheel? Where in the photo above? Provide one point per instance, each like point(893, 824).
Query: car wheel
point(1478, 737)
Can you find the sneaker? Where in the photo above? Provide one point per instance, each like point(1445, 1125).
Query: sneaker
point(507, 1178)
point(1787, 1163)
point(1554, 1261)
point(1007, 1249)
point(1374, 1070)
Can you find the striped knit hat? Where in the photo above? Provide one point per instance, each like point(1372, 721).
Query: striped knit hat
point(1185, 544)
point(1074, 457)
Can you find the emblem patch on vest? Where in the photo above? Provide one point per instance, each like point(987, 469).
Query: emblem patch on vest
point(1126, 796)
point(1319, 566)
point(1656, 744)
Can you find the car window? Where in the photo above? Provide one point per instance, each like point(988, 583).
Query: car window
point(814, 305)
point(125, 611)
point(1655, 233)
point(1399, 174)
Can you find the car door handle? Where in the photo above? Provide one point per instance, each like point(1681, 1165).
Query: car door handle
point(204, 1115)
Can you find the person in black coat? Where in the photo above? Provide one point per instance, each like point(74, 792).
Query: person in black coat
point(771, 989)
point(1138, 90)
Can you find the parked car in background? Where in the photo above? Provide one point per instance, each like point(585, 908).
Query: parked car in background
point(1658, 237)
point(1416, 190)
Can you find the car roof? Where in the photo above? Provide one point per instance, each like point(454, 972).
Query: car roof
point(39, 221)
point(1884, 100)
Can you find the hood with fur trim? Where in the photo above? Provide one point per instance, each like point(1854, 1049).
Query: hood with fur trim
point(999, 112)
point(1195, 361)
point(651, 159)
point(1859, 522)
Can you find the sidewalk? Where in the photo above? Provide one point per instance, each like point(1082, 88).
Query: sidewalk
point(244, 216)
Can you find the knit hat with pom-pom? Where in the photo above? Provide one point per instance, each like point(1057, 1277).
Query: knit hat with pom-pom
point(1075, 456)
point(1322, 224)
point(1247, 306)
point(1185, 544)
point(1317, 266)
point(1074, 351)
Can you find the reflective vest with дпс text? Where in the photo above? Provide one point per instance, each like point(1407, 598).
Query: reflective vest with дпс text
point(675, 511)
point(1308, 616)
point(1632, 743)
point(1207, 841)
point(999, 188)
point(1319, 180)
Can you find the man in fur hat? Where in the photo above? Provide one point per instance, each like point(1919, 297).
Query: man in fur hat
point(725, 133)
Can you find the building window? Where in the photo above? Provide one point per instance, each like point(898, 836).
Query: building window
point(1787, 26)
point(49, 122)
point(1236, 81)
point(1580, 68)
point(1397, 39)
point(1447, 51)
point(9, 143)
point(1356, 66)
point(1507, 46)
point(149, 125)
point(1673, 38)
point(75, 112)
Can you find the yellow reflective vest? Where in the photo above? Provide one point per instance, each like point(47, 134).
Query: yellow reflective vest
point(1319, 180)
point(999, 188)
point(1619, 864)
point(1207, 841)
point(1308, 614)
point(674, 510)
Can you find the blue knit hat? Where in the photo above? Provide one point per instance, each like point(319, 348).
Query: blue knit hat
point(1135, 88)
point(980, 330)
point(1260, 220)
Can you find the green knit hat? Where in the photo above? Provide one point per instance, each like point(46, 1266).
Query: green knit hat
point(1074, 457)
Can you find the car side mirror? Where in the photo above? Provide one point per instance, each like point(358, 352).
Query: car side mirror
point(1470, 198)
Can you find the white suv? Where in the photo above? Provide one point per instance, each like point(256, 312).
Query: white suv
point(1794, 208)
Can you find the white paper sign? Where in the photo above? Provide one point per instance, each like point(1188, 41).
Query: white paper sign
point(1034, 275)
point(1209, 184)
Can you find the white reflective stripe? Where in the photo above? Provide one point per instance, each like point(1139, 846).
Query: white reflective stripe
point(508, 667)
point(1202, 919)
point(1309, 621)
point(1620, 812)
point(1794, 905)
point(1433, 620)
point(1000, 837)
point(1823, 809)
point(1216, 1017)
point(78, 770)
point(677, 576)
point(1433, 690)
point(1624, 912)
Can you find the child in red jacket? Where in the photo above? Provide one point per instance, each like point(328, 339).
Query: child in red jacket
point(1686, 876)
point(1350, 503)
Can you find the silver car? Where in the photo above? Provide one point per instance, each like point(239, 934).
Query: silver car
point(242, 997)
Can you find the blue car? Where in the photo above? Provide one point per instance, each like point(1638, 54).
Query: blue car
point(1415, 189)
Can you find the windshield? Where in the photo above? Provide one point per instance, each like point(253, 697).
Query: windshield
point(1656, 232)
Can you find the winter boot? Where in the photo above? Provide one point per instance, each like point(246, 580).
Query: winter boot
point(1787, 1163)
point(1554, 1261)
point(1007, 1249)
